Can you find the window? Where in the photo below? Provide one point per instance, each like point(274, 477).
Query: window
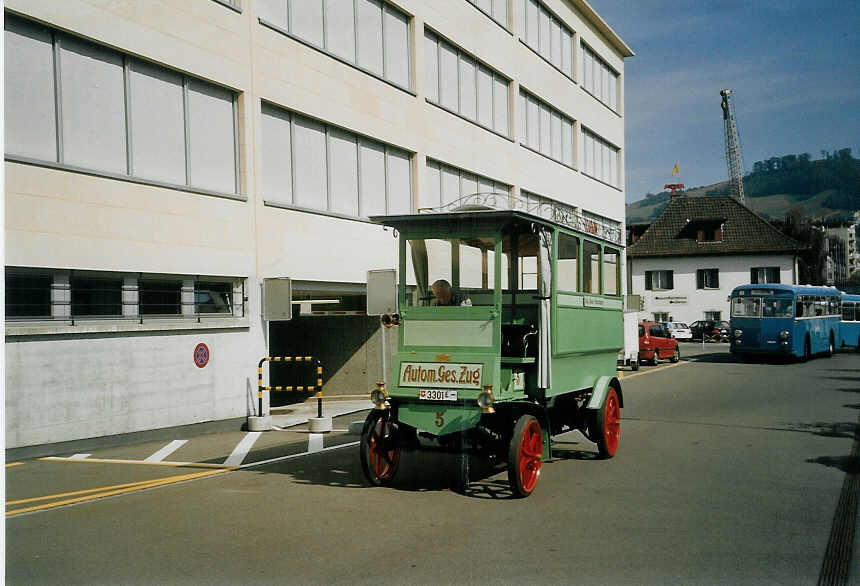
point(746, 306)
point(28, 295)
point(117, 115)
point(659, 280)
point(707, 279)
point(370, 34)
point(599, 158)
point(591, 267)
point(762, 275)
point(312, 165)
point(96, 296)
point(848, 311)
point(458, 82)
point(546, 129)
point(213, 297)
point(599, 79)
point(160, 297)
point(612, 272)
point(713, 316)
point(547, 35)
point(567, 274)
point(776, 307)
point(446, 184)
point(432, 263)
point(659, 316)
point(495, 9)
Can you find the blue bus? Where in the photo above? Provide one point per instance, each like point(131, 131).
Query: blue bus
point(794, 321)
point(849, 327)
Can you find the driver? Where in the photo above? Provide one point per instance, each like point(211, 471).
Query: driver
point(443, 294)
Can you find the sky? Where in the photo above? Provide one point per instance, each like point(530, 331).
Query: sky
point(794, 67)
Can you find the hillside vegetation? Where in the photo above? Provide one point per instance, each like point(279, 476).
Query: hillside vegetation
point(826, 189)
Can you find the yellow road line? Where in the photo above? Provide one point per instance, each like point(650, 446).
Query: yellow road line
point(12, 464)
point(111, 491)
point(656, 369)
point(143, 462)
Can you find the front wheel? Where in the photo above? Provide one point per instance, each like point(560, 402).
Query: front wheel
point(634, 365)
point(831, 348)
point(605, 428)
point(676, 355)
point(807, 351)
point(380, 449)
point(525, 454)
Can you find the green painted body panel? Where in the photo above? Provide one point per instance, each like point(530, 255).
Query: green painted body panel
point(439, 418)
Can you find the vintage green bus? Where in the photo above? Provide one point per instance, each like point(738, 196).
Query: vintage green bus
point(510, 322)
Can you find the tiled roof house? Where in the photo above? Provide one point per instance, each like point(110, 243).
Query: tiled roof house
point(700, 248)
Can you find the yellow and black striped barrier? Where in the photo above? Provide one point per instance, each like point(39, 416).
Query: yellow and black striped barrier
point(290, 359)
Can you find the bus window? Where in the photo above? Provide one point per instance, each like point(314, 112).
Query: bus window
point(477, 269)
point(848, 311)
point(611, 272)
point(820, 306)
point(833, 306)
point(465, 267)
point(746, 306)
point(567, 266)
point(808, 306)
point(776, 307)
point(591, 267)
point(527, 265)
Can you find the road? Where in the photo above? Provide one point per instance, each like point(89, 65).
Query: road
point(726, 473)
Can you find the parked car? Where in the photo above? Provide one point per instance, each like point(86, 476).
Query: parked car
point(655, 342)
point(711, 330)
point(679, 330)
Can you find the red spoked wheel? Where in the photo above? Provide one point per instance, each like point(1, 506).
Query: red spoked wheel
point(606, 425)
point(525, 455)
point(380, 449)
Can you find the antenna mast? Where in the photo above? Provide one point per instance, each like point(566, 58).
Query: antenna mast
point(733, 148)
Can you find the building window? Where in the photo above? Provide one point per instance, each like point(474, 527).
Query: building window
point(28, 295)
point(312, 165)
point(546, 35)
point(707, 279)
point(659, 280)
point(160, 297)
point(599, 158)
point(213, 297)
point(660, 316)
point(457, 82)
point(599, 79)
point(762, 275)
point(370, 34)
point(546, 129)
point(446, 184)
point(96, 296)
point(713, 316)
point(115, 114)
point(495, 9)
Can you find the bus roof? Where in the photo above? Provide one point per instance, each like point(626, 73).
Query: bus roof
point(500, 208)
point(850, 297)
point(783, 288)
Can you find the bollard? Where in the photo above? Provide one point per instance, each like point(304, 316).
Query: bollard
point(319, 404)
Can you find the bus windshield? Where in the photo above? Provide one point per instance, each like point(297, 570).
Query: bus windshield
point(762, 307)
point(452, 272)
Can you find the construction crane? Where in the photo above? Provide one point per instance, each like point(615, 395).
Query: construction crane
point(733, 148)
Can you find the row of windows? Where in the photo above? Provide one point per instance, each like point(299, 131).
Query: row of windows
point(446, 184)
point(316, 166)
point(457, 82)
point(545, 129)
point(594, 272)
point(599, 158)
point(599, 79)
point(706, 278)
point(547, 35)
point(369, 33)
point(35, 294)
point(73, 102)
point(495, 9)
point(817, 306)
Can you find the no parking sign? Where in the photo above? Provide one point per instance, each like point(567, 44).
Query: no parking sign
point(201, 355)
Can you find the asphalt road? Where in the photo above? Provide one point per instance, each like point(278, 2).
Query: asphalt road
point(726, 473)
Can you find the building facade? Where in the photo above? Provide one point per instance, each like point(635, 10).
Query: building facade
point(163, 158)
point(687, 262)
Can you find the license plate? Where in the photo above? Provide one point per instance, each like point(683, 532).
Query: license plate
point(437, 395)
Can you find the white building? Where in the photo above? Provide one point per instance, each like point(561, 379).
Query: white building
point(842, 250)
point(688, 261)
point(163, 158)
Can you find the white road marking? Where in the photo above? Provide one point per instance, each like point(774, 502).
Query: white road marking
point(166, 451)
point(242, 449)
point(315, 442)
point(79, 457)
point(293, 456)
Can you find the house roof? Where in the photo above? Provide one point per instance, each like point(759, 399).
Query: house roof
point(673, 233)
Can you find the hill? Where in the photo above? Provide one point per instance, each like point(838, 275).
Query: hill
point(825, 189)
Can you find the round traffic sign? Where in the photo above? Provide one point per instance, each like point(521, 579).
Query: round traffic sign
point(201, 355)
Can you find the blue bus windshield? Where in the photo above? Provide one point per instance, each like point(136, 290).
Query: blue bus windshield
point(762, 307)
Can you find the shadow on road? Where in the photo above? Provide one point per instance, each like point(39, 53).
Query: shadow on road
point(713, 357)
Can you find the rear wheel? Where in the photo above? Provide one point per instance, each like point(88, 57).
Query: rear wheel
point(524, 456)
point(831, 347)
point(380, 450)
point(605, 428)
point(634, 365)
point(807, 350)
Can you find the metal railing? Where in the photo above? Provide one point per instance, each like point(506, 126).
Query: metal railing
point(290, 360)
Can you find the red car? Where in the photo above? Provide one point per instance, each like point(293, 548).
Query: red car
point(656, 342)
